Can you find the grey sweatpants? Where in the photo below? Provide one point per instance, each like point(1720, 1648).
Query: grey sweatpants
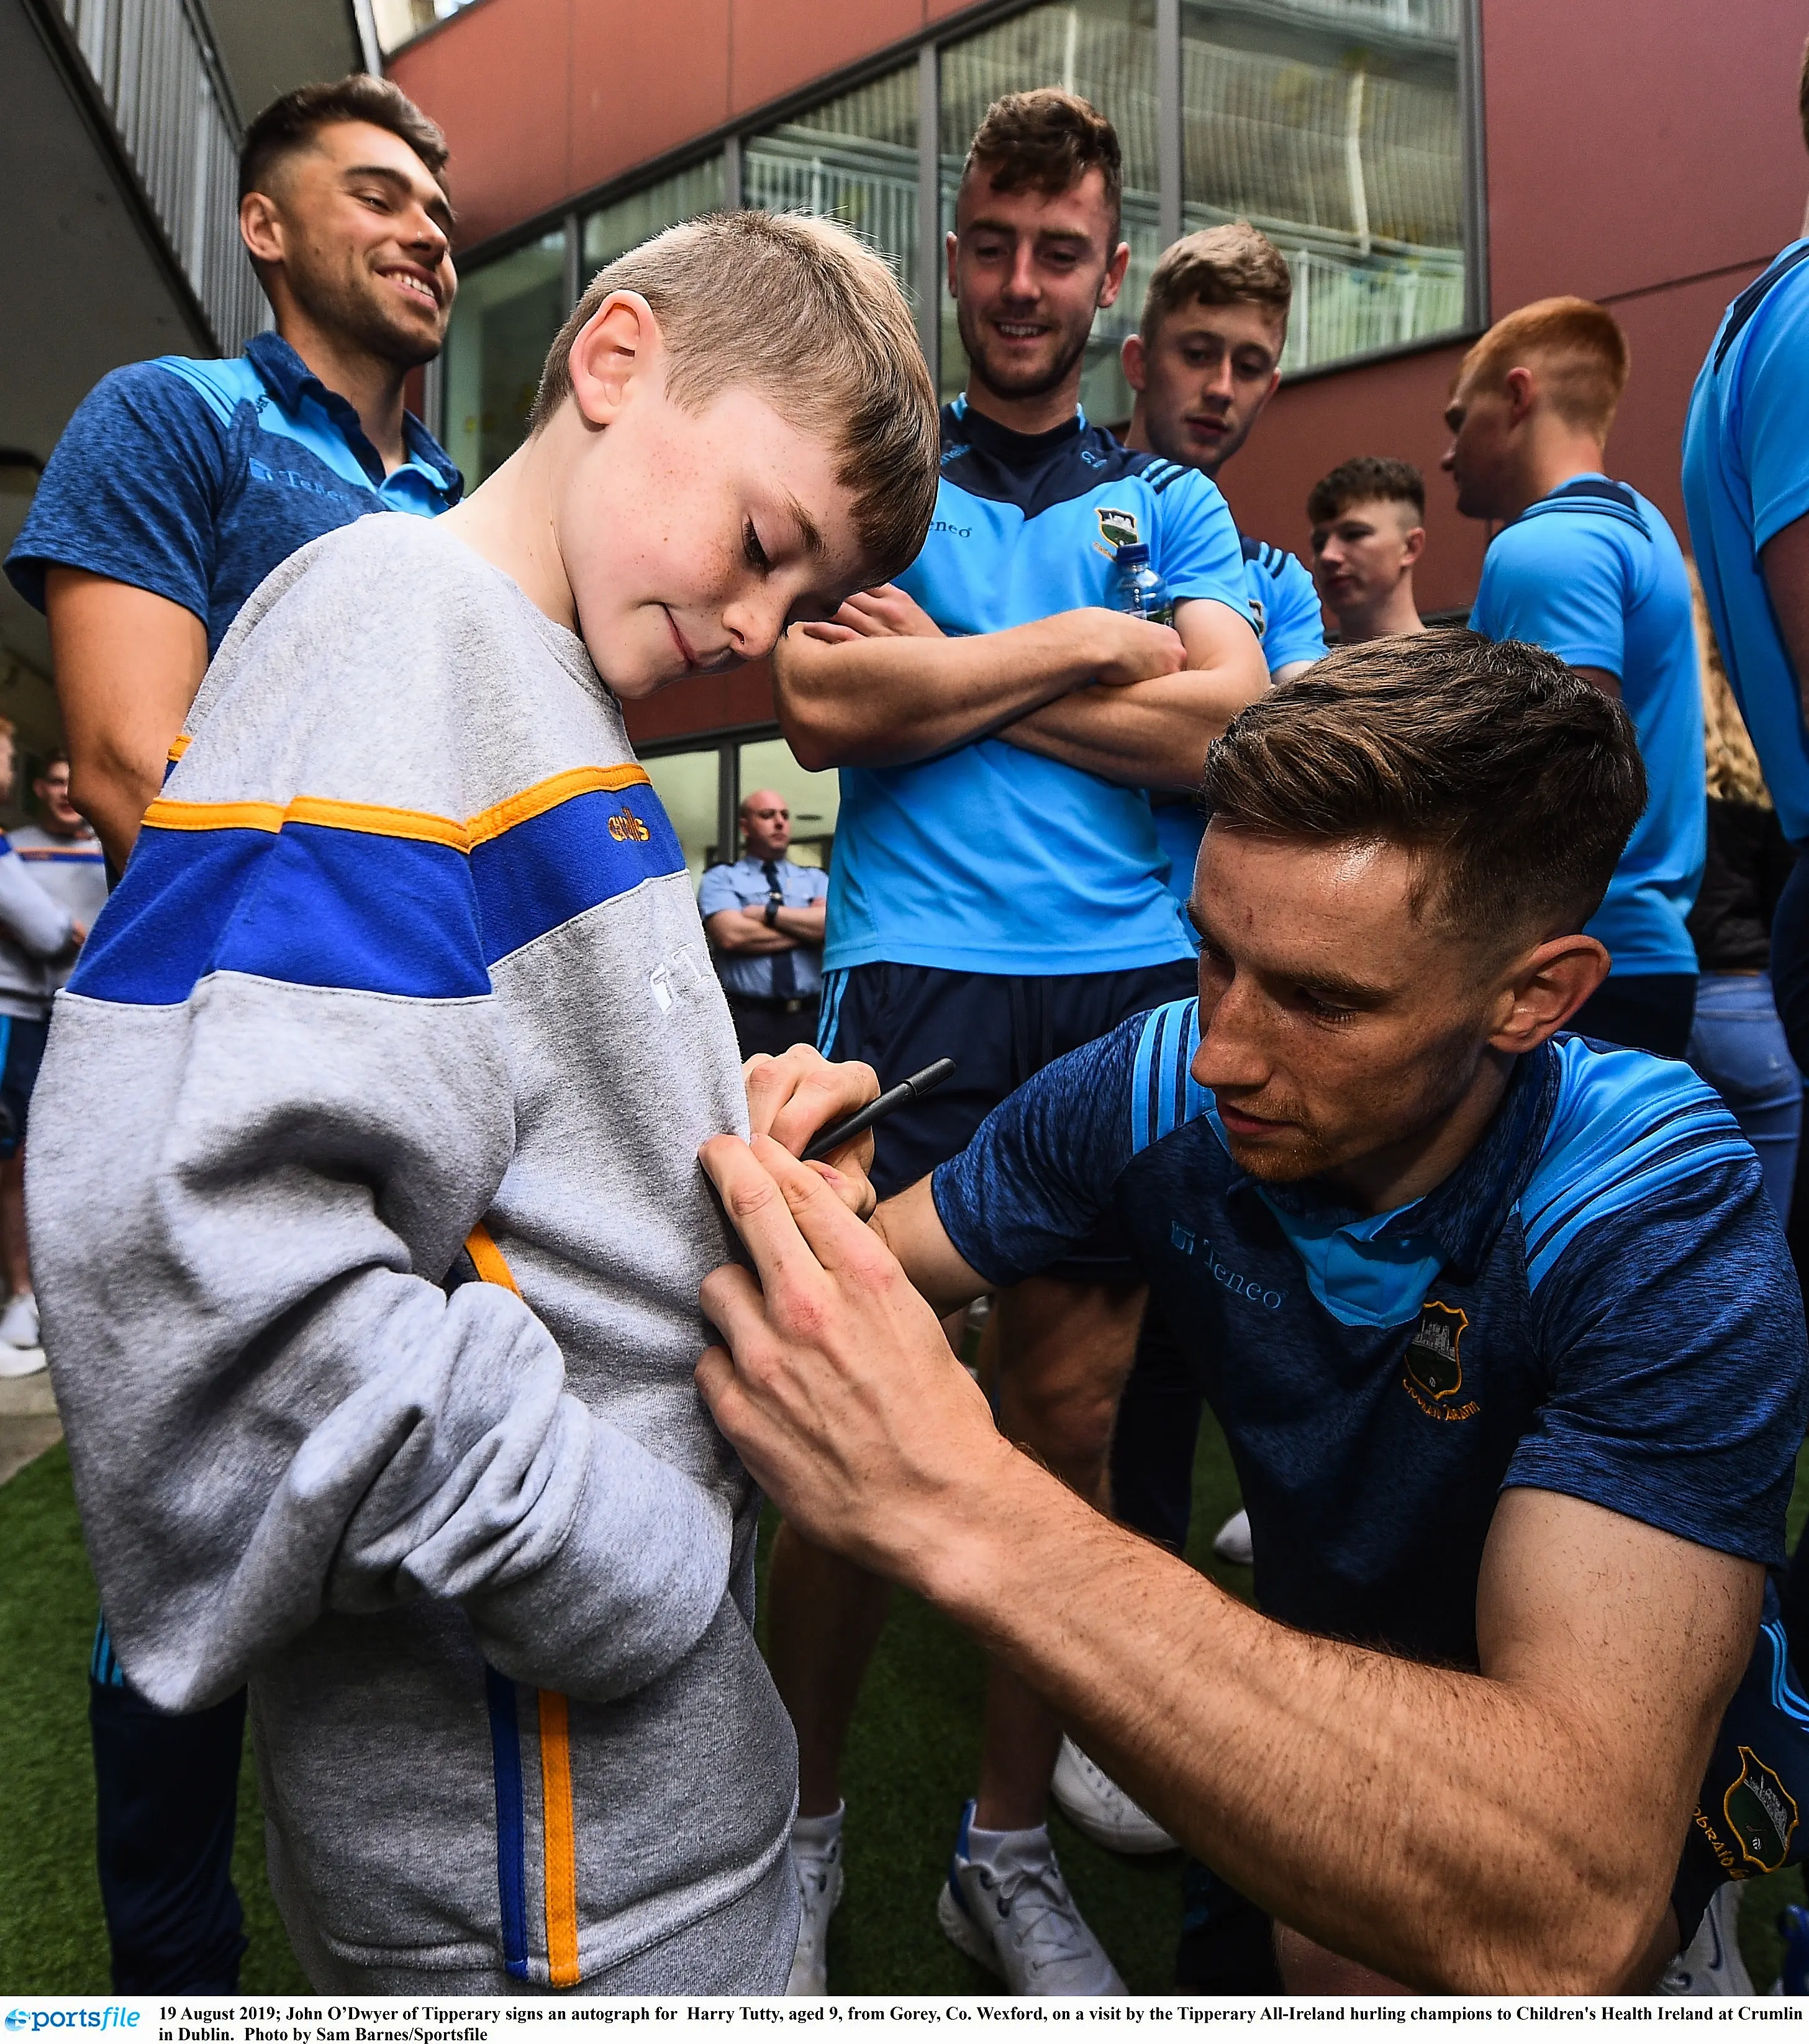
point(744, 1948)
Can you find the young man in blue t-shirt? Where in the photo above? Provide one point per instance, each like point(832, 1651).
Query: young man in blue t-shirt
point(1587, 568)
point(1498, 1322)
point(175, 490)
point(1205, 361)
point(998, 889)
point(1746, 494)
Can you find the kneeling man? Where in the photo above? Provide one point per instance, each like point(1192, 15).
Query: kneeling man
point(1497, 1321)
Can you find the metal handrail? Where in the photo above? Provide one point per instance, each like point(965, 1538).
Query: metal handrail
point(153, 64)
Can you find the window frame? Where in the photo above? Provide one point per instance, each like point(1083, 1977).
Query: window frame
point(927, 44)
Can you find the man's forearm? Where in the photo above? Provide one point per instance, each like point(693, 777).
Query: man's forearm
point(889, 701)
point(1419, 1819)
point(1153, 735)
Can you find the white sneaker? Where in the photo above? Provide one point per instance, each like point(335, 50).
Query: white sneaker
point(1234, 1544)
point(816, 1860)
point(1011, 1912)
point(19, 1362)
point(1711, 1962)
point(1096, 1807)
point(19, 1323)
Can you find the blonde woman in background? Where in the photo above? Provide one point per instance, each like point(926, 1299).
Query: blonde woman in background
point(1738, 1043)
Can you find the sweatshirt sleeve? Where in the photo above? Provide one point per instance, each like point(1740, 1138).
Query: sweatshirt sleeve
point(277, 1099)
point(37, 923)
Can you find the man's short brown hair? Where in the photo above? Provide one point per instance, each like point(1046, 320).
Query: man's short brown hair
point(1579, 349)
point(1514, 781)
point(799, 310)
point(1365, 478)
point(1234, 264)
point(292, 122)
point(1048, 140)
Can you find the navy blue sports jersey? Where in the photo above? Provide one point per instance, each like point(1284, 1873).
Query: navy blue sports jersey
point(1597, 1302)
point(990, 858)
point(1285, 608)
point(194, 479)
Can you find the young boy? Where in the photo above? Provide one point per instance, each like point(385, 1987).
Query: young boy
point(1369, 528)
point(405, 986)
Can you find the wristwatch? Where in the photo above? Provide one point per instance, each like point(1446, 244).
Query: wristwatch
point(772, 914)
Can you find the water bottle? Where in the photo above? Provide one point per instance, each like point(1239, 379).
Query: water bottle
point(1141, 593)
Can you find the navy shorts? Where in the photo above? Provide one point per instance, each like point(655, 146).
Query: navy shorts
point(1000, 1029)
point(1752, 1816)
point(21, 1048)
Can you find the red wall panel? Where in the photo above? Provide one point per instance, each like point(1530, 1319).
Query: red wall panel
point(644, 80)
point(711, 702)
point(1389, 408)
point(778, 45)
point(1630, 143)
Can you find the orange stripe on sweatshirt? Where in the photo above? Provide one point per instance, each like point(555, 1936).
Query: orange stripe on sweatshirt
point(560, 1840)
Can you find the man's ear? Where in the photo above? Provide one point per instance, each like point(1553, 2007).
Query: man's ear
point(260, 226)
point(1131, 355)
point(951, 247)
point(619, 345)
point(1546, 989)
point(1412, 546)
point(1522, 388)
point(1113, 282)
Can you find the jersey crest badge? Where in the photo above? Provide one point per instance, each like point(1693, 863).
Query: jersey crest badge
point(1433, 1364)
point(1259, 613)
point(1116, 528)
point(1761, 1812)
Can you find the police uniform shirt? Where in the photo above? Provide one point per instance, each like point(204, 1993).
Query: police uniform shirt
point(1593, 574)
point(744, 886)
point(1598, 1301)
point(1746, 478)
point(990, 858)
point(194, 479)
point(1285, 608)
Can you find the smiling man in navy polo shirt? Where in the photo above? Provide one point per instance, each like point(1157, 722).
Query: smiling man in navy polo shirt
point(1498, 1321)
point(179, 485)
point(176, 488)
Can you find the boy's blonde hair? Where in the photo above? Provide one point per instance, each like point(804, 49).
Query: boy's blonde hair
point(799, 310)
point(1234, 264)
point(1580, 351)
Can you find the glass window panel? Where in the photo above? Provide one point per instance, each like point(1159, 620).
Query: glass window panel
point(813, 799)
point(398, 21)
point(685, 783)
point(853, 159)
point(614, 230)
point(503, 320)
point(1334, 126)
point(1105, 50)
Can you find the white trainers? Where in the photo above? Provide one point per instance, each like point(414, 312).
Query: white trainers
point(1711, 1962)
point(1010, 1911)
point(21, 1362)
point(816, 1860)
point(19, 1323)
point(1233, 1543)
point(1098, 1808)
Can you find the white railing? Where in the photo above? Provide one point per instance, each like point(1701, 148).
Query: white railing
point(157, 76)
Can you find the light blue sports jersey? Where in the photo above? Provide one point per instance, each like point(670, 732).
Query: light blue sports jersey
point(1285, 606)
point(1745, 477)
point(1592, 574)
point(990, 858)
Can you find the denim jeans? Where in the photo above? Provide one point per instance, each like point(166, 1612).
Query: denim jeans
point(1737, 1045)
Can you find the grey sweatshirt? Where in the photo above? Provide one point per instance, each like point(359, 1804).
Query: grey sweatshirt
point(407, 949)
point(33, 929)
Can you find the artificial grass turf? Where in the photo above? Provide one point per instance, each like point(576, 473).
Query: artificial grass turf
point(911, 1761)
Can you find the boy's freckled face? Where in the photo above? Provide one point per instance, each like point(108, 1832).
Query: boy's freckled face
point(692, 540)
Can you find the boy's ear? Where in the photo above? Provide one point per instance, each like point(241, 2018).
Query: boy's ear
point(619, 345)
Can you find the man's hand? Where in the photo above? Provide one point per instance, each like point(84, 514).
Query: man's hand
point(791, 1098)
point(841, 1393)
point(128, 665)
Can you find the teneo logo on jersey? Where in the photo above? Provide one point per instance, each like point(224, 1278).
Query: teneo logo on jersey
point(1116, 529)
point(1433, 1364)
